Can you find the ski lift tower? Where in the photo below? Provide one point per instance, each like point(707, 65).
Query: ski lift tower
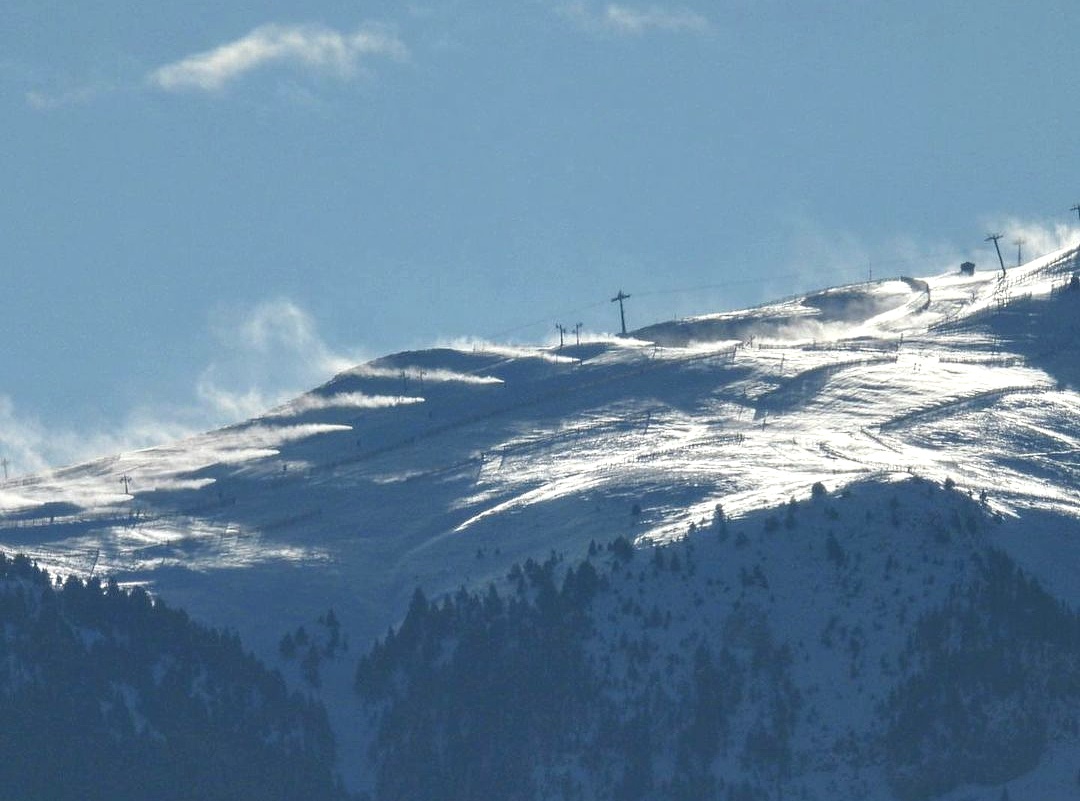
point(994, 238)
point(562, 329)
point(622, 312)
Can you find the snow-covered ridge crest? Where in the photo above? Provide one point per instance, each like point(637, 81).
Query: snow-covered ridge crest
point(515, 451)
point(442, 467)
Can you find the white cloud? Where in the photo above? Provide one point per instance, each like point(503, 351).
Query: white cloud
point(636, 20)
point(47, 101)
point(309, 47)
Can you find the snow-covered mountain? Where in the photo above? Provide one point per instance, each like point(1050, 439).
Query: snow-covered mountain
point(442, 468)
point(867, 644)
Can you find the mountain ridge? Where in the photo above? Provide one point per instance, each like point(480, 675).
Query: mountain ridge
point(442, 468)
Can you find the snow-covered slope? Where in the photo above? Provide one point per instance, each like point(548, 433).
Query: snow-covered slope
point(867, 644)
point(443, 467)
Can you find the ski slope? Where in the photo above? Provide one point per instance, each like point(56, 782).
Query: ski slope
point(442, 467)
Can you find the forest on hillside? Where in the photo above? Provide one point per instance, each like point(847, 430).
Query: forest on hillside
point(108, 694)
point(639, 674)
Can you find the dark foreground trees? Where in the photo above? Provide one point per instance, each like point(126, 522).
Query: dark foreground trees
point(107, 694)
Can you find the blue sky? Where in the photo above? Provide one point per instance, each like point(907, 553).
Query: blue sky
point(209, 206)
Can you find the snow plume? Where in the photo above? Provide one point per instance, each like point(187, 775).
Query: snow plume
point(437, 376)
point(508, 351)
point(635, 20)
point(280, 326)
point(30, 445)
point(341, 400)
point(269, 353)
point(1040, 238)
point(819, 258)
point(24, 440)
point(307, 47)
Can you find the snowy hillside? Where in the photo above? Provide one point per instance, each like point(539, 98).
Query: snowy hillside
point(443, 467)
point(868, 644)
point(107, 695)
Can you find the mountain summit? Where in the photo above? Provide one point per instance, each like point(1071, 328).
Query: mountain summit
point(442, 468)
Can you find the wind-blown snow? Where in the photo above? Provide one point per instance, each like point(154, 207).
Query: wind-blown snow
point(437, 453)
point(442, 467)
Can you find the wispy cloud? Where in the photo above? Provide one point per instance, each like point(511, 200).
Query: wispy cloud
point(635, 20)
point(43, 100)
point(305, 47)
point(268, 353)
